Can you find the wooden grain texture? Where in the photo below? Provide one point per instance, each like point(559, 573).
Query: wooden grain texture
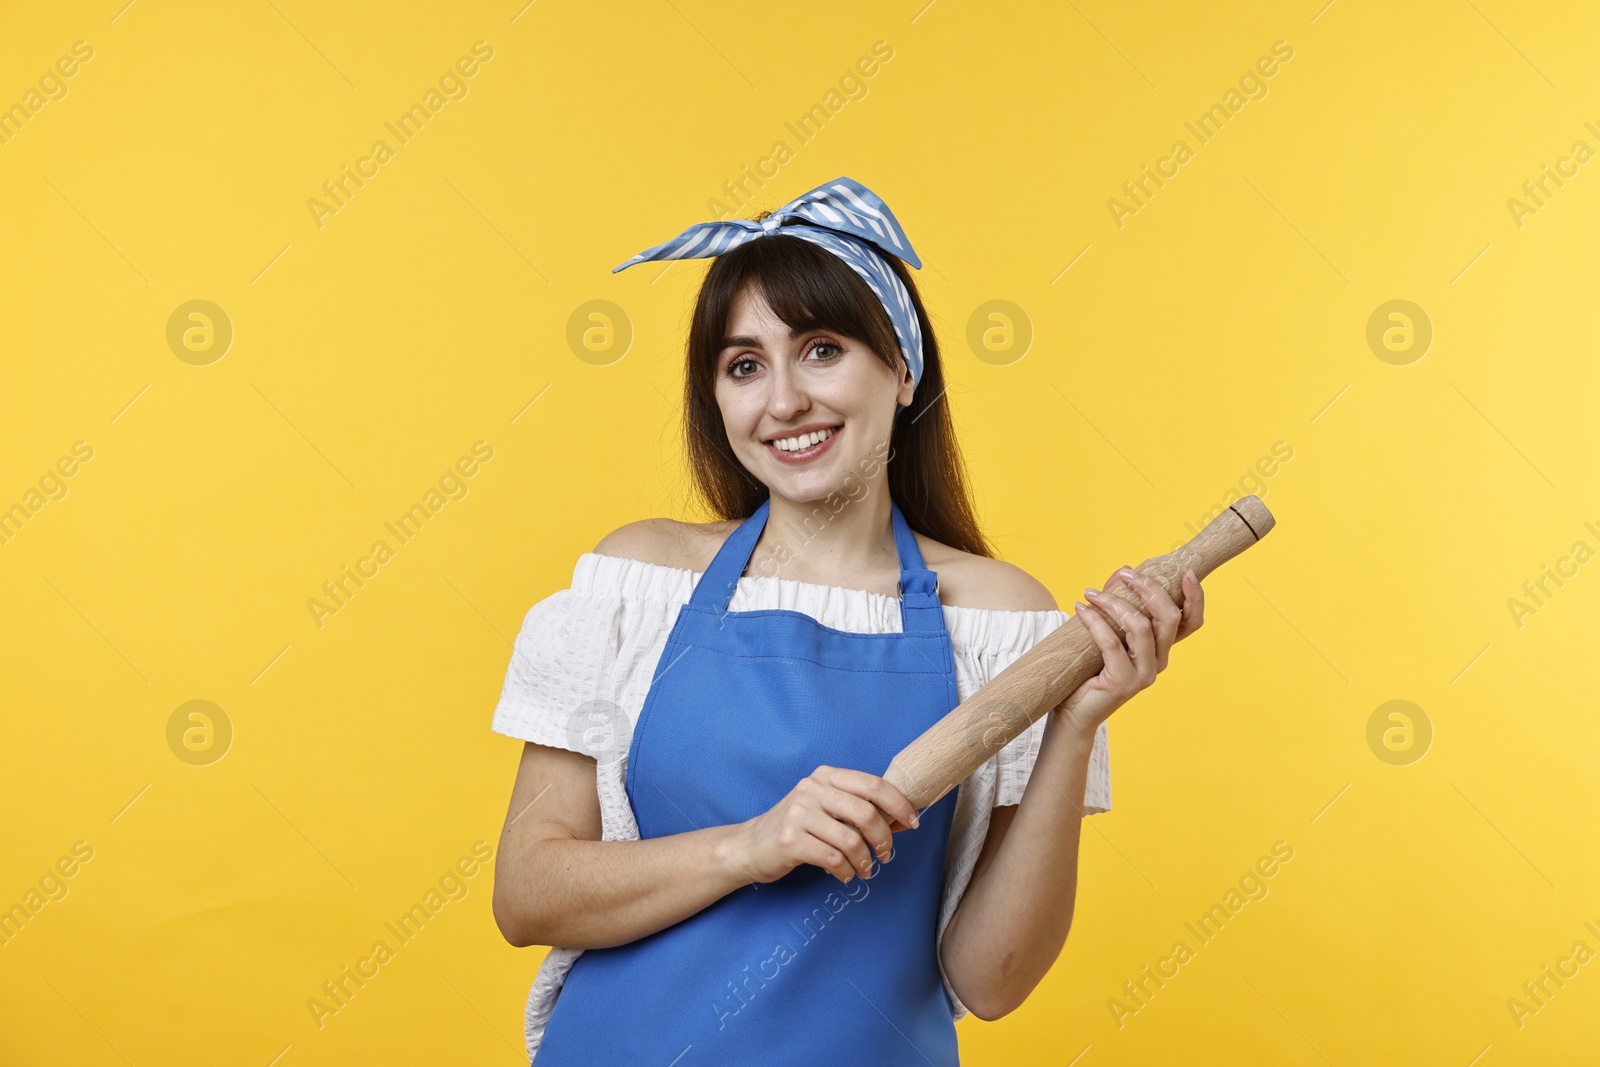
point(1049, 672)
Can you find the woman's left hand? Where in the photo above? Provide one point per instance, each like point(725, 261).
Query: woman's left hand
point(1130, 668)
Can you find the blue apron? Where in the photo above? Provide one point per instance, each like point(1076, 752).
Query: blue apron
point(803, 970)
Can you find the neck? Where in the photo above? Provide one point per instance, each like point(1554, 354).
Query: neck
point(838, 540)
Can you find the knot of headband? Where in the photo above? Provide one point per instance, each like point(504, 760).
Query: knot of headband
point(842, 216)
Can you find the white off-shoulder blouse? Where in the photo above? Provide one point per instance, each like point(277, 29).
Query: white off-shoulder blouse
point(583, 662)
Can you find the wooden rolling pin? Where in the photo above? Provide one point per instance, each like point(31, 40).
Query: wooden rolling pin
point(1049, 672)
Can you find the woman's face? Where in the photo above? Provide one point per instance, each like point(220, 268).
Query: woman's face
point(774, 388)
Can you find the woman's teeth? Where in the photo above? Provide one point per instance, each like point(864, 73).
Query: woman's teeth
point(805, 440)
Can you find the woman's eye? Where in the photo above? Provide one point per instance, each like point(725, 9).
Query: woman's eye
point(830, 351)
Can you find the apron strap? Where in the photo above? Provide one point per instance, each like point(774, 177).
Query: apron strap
point(920, 611)
point(919, 587)
point(715, 588)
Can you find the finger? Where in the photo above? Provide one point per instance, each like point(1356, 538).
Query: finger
point(1162, 607)
point(858, 814)
point(1105, 639)
point(1138, 630)
point(864, 815)
point(846, 839)
point(1130, 618)
point(806, 831)
point(818, 853)
point(1164, 612)
point(880, 791)
point(1194, 605)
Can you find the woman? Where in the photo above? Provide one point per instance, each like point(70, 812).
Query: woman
point(743, 887)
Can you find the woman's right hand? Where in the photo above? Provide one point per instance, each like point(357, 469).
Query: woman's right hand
point(834, 819)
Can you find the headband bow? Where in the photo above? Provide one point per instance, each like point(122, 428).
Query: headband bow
point(842, 216)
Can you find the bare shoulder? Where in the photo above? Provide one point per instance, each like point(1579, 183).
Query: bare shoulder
point(668, 542)
point(971, 581)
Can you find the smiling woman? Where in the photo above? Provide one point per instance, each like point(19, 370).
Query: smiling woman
point(791, 316)
point(763, 681)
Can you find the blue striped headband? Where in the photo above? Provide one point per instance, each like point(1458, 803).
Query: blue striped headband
point(842, 216)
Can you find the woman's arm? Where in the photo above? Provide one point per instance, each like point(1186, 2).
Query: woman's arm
point(1017, 908)
point(557, 883)
point(1016, 911)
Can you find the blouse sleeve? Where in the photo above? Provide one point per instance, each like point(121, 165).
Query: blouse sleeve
point(1009, 635)
point(571, 666)
point(1016, 765)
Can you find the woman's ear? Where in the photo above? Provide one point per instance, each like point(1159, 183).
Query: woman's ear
point(907, 386)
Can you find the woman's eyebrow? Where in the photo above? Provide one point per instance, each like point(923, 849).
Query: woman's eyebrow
point(751, 342)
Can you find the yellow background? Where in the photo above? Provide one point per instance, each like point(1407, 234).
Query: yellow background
point(431, 311)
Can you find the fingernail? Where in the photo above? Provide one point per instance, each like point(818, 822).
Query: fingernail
point(1126, 572)
point(1091, 593)
point(1192, 578)
point(916, 820)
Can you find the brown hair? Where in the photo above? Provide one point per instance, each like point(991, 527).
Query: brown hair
point(809, 288)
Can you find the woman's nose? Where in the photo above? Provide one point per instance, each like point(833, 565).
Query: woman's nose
point(787, 396)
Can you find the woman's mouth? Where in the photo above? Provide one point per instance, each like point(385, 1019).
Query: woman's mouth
point(803, 448)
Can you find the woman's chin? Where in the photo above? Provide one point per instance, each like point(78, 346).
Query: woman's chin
point(813, 486)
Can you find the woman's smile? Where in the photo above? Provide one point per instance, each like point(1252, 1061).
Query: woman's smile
point(802, 446)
